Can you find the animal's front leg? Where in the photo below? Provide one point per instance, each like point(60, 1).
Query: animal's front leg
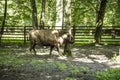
point(51, 48)
point(58, 49)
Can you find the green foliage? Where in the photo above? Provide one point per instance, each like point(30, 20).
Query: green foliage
point(8, 59)
point(84, 69)
point(83, 12)
point(74, 70)
point(37, 64)
point(18, 12)
point(110, 74)
point(61, 66)
point(68, 78)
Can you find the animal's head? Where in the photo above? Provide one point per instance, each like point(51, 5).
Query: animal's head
point(71, 35)
point(70, 38)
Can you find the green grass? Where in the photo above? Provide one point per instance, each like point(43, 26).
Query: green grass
point(110, 74)
point(9, 58)
point(13, 57)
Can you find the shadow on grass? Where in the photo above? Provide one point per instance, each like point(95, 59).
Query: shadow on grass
point(109, 51)
point(16, 63)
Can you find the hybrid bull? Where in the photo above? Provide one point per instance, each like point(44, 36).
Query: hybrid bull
point(52, 38)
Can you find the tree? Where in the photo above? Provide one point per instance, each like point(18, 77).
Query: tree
point(99, 21)
point(67, 48)
point(59, 14)
point(4, 19)
point(117, 15)
point(34, 14)
point(49, 14)
point(42, 18)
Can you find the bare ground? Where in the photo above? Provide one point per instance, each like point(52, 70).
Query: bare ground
point(88, 59)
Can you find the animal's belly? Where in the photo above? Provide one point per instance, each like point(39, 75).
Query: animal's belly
point(47, 44)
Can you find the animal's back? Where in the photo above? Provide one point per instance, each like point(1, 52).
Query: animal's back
point(45, 37)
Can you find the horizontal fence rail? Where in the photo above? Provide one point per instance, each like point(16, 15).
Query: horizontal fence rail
point(83, 34)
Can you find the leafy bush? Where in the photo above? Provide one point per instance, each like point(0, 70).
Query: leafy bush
point(110, 74)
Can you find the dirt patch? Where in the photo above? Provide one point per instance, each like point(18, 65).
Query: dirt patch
point(86, 60)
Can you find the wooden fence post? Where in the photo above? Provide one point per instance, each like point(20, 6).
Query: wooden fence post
point(24, 35)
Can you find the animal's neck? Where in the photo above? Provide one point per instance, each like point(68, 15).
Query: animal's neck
point(62, 38)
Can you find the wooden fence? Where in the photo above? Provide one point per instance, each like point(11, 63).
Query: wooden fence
point(110, 35)
point(83, 35)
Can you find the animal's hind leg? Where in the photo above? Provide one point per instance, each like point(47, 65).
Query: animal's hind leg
point(34, 49)
point(32, 46)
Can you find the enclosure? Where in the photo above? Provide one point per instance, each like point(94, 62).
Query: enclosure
point(83, 35)
point(93, 24)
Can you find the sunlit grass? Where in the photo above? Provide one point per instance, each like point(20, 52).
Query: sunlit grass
point(8, 57)
point(110, 74)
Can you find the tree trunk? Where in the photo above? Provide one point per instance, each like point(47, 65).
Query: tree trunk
point(63, 14)
point(97, 9)
point(42, 20)
point(49, 15)
point(59, 12)
point(3, 23)
point(99, 22)
point(34, 14)
point(67, 48)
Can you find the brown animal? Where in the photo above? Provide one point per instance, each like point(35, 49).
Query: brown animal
point(52, 38)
